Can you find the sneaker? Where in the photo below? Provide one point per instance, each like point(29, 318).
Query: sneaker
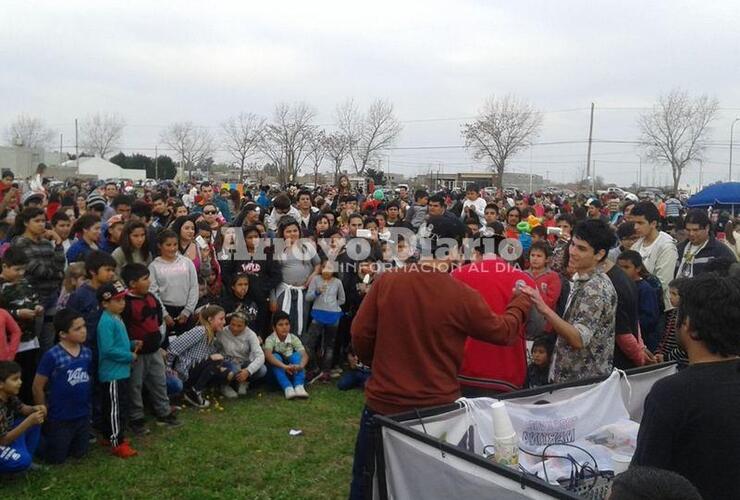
point(336, 373)
point(138, 428)
point(196, 399)
point(124, 450)
point(314, 378)
point(243, 389)
point(300, 392)
point(325, 376)
point(229, 392)
point(169, 420)
point(289, 393)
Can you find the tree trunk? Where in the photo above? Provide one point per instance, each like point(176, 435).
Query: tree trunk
point(500, 180)
point(241, 172)
point(676, 178)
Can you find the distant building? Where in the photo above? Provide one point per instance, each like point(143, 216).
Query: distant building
point(23, 161)
point(460, 180)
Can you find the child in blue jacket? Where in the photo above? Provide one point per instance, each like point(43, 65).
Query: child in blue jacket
point(115, 355)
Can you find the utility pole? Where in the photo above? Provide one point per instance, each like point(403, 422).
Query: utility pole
point(593, 177)
point(732, 130)
point(639, 175)
point(590, 137)
point(77, 148)
point(156, 164)
point(61, 145)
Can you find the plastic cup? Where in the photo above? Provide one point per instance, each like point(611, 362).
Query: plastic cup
point(621, 463)
point(502, 426)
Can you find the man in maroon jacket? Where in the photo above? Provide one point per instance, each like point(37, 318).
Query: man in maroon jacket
point(416, 345)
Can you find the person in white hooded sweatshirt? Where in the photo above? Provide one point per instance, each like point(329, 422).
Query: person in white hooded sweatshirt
point(658, 249)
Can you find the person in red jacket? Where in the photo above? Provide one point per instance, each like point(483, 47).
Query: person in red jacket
point(489, 369)
point(10, 336)
point(416, 345)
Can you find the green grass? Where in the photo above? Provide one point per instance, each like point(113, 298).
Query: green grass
point(242, 451)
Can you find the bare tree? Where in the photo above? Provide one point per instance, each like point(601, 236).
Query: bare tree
point(285, 140)
point(29, 132)
point(241, 138)
point(503, 128)
point(369, 134)
point(192, 143)
point(676, 130)
point(317, 151)
point(337, 149)
point(101, 133)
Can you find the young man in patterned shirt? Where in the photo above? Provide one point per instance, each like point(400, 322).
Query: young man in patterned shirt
point(585, 344)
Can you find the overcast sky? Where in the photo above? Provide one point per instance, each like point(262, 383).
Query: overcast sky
point(436, 61)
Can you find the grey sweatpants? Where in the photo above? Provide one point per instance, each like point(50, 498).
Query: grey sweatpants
point(148, 370)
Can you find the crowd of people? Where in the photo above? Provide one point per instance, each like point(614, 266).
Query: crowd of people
point(118, 302)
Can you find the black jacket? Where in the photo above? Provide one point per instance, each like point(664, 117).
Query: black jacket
point(712, 250)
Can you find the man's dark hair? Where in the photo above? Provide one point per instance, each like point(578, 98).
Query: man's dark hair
point(279, 316)
point(437, 198)
point(420, 193)
point(625, 230)
point(355, 215)
point(64, 318)
point(540, 231)
point(205, 184)
point(303, 192)
point(541, 246)
point(596, 233)
point(133, 272)
point(15, 256)
point(141, 209)
point(697, 216)
point(97, 259)
point(475, 221)
point(648, 210)
point(632, 256)
point(710, 303)
point(122, 199)
point(110, 183)
point(159, 197)
point(350, 198)
point(472, 188)
point(491, 206)
point(497, 226)
point(58, 217)
point(566, 218)
point(393, 203)
point(8, 368)
point(647, 483)
point(511, 209)
point(281, 202)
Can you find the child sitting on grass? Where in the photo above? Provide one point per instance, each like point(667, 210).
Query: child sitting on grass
point(19, 437)
point(538, 371)
point(196, 358)
point(286, 357)
point(357, 374)
point(65, 374)
point(244, 356)
point(116, 354)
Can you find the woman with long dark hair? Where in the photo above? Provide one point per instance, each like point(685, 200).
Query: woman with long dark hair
point(134, 246)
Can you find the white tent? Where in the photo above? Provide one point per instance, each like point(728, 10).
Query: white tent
point(103, 169)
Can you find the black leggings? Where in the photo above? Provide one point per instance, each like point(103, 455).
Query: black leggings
point(207, 373)
point(28, 360)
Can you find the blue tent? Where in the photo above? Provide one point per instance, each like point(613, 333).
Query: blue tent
point(725, 195)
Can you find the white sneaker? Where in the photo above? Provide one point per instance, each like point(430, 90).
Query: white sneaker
point(243, 389)
point(289, 393)
point(300, 392)
point(228, 392)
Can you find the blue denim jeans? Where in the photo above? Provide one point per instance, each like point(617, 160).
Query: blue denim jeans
point(363, 466)
point(17, 456)
point(353, 378)
point(282, 379)
point(66, 438)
